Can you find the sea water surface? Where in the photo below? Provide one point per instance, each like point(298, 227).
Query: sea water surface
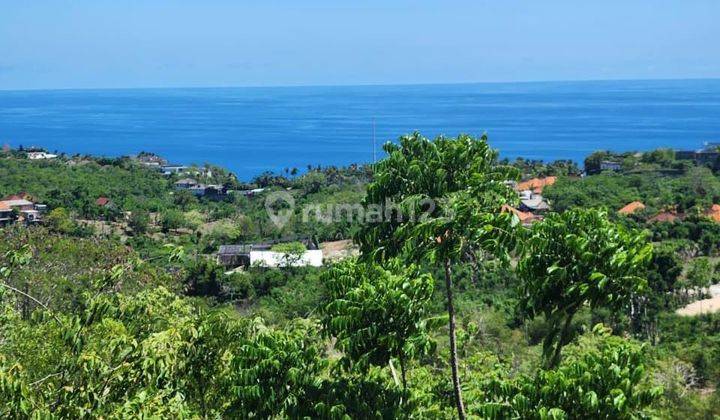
point(251, 130)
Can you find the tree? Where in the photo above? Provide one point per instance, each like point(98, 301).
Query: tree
point(139, 222)
point(438, 198)
point(576, 258)
point(700, 275)
point(379, 314)
point(603, 378)
point(172, 220)
point(59, 220)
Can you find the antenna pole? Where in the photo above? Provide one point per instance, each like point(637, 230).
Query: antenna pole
point(374, 148)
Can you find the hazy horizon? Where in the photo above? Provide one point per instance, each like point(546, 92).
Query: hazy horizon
point(221, 43)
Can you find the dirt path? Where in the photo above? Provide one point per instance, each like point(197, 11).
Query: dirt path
point(703, 306)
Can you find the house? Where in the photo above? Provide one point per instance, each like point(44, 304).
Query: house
point(535, 185)
point(26, 210)
point(151, 160)
point(172, 168)
point(262, 255)
point(709, 153)
point(250, 193)
point(185, 184)
point(632, 208)
point(531, 202)
point(610, 165)
point(6, 214)
point(40, 155)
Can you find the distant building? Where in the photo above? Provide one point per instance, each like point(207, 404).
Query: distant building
point(185, 184)
point(40, 155)
point(6, 214)
point(232, 256)
point(610, 165)
point(20, 205)
point(172, 168)
point(708, 154)
point(262, 255)
point(104, 202)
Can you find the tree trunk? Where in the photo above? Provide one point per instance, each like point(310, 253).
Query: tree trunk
point(555, 361)
point(453, 344)
point(402, 371)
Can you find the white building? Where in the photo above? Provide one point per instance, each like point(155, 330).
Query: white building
point(40, 155)
point(271, 259)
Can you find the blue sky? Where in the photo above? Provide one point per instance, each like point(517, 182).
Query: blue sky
point(154, 43)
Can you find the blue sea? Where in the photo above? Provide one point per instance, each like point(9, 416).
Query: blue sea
point(251, 130)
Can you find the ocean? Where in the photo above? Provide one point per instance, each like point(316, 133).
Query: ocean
point(251, 130)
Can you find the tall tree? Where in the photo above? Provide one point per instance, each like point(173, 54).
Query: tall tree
point(437, 198)
point(576, 258)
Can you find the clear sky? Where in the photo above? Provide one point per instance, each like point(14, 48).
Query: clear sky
point(155, 43)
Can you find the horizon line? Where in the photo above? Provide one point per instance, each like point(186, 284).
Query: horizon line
point(369, 84)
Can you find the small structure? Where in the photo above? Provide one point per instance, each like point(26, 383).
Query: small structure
point(6, 214)
point(40, 155)
point(274, 259)
point(104, 202)
point(708, 154)
point(261, 255)
point(185, 184)
point(234, 255)
point(530, 202)
point(19, 204)
point(172, 168)
point(632, 208)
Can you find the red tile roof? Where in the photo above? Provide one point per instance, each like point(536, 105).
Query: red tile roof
point(536, 185)
point(102, 201)
point(632, 208)
point(714, 212)
point(665, 216)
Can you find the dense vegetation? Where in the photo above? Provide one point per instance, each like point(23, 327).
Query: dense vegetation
point(462, 312)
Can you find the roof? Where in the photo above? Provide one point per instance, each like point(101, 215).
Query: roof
point(102, 201)
point(714, 212)
point(234, 249)
point(665, 216)
point(535, 203)
point(4, 206)
point(632, 208)
point(536, 184)
point(524, 216)
point(19, 196)
point(185, 181)
point(17, 202)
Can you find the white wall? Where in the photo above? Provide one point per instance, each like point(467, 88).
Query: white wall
point(312, 258)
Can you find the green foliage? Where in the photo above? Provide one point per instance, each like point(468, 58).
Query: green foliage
point(289, 248)
point(577, 258)
point(603, 377)
point(172, 220)
point(377, 314)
